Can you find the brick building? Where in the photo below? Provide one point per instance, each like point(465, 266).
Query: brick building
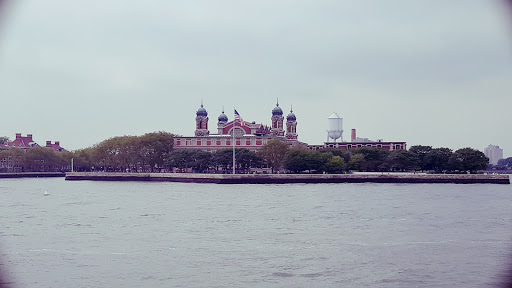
point(248, 135)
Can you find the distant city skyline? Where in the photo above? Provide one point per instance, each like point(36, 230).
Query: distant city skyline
point(420, 72)
point(494, 153)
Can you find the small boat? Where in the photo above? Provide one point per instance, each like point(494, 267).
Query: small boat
point(46, 193)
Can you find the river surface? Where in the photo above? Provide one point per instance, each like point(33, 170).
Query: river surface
point(137, 234)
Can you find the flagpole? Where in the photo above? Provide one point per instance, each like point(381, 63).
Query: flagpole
point(234, 126)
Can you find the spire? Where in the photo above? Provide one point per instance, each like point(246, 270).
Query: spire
point(277, 104)
point(291, 108)
point(201, 102)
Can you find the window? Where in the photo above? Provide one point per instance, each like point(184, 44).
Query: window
point(198, 142)
point(398, 147)
point(218, 143)
point(359, 146)
point(349, 146)
point(379, 145)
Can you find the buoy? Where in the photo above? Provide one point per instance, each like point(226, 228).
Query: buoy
point(46, 193)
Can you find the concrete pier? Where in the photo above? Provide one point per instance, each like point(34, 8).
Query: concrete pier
point(291, 178)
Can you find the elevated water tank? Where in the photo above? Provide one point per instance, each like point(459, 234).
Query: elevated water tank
point(335, 127)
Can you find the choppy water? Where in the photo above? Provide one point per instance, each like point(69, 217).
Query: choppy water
point(126, 234)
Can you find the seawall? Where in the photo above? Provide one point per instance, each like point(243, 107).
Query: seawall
point(291, 178)
point(32, 174)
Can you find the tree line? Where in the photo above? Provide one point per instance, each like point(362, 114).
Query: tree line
point(153, 152)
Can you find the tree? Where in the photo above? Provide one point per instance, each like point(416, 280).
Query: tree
point(421, 152)
point(403, 160)
point(316, 160)
point(223, 159)
point(82, 160)
point(374, 158)
point(296, 160)
point(468, 159)
point(152, 147)
point(247, 159)
point(357, 162)
point(200, 161)
point(274, 154)
point(4, 139)
point(335, 165)
point(181, 159)
point(504, 163)
point(438, 159)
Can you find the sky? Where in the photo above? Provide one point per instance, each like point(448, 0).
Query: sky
point(432, 72)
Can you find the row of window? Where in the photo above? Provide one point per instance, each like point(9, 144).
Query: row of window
point(226, 142)
point(350, 146)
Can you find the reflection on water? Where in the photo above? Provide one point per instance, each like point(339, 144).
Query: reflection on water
point(119, 234)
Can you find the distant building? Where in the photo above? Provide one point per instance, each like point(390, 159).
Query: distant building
point(357, 142)
point(26, 142)
point(248, 135)
point(494, 153)
point(396, 145)
point(55, 146)
point(21, 142)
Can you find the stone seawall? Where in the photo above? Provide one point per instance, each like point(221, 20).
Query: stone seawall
point(291, 178)
point(32, 174)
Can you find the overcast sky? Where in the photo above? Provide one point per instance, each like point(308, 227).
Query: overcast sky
point(431, 72)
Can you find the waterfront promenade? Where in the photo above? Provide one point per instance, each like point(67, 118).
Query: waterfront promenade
point(291, 178)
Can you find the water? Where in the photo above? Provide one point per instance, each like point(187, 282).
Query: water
point(130, 234)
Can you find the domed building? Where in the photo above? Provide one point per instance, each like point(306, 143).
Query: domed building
point(249, 135)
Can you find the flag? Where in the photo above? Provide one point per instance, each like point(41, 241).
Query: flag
point(237, 116)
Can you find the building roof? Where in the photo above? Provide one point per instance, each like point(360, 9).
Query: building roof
point(22, 142)
point(55, 146)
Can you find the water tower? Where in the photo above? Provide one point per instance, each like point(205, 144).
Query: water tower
point(335, 127)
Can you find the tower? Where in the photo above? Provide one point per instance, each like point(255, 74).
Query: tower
point(291, 126)
point(222, 120)
point(202, 122)
point(277, 121)
point(335, 127)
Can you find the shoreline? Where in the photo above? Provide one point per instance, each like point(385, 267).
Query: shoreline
point(32, 174)
point(290, 178)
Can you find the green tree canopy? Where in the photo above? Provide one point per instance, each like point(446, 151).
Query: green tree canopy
point(403, 160)
point(468, 159)
point(505, 163)
point(357, 162)
point(274, 154)
point(421, 152)
point(438, 159)
point(335, 165)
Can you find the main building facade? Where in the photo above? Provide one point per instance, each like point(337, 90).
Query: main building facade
point(248, 135)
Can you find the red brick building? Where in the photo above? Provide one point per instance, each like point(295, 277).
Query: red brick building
point(249, 135)
point(21, 142)
point(26, 142)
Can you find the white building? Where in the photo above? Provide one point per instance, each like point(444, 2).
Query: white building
point(494, 153)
